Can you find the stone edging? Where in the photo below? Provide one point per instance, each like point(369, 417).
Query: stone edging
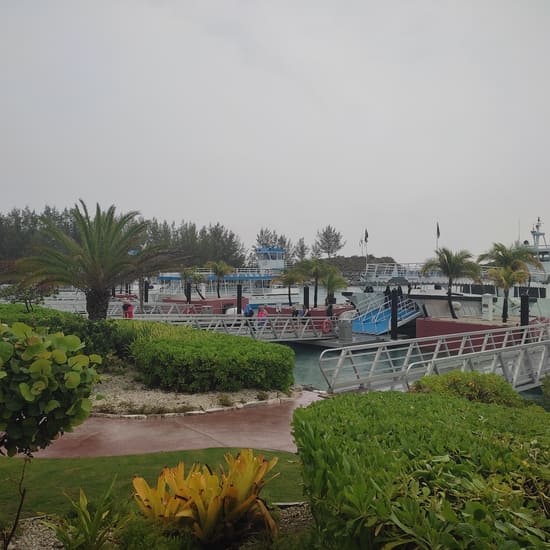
point(249, 404)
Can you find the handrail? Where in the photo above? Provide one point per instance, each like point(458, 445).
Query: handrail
point(367, 366)
point(280, 328)
point(523, 366)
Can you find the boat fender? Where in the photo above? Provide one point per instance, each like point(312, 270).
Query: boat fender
point(326, 327)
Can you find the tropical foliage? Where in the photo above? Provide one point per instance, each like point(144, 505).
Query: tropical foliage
point(220, 270)
point(215, 507)
point(508, 266)
point(332, 280)
point(106, 250)
point(452, 265)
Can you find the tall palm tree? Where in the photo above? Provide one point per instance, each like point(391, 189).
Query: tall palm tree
point(333, 281)
point(509, 266)
point(220, 270)
point(104, 251)
point(452, 265)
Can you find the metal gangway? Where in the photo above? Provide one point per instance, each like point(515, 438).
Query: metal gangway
point(520, 354)
point(273, 328)
point(376, 320)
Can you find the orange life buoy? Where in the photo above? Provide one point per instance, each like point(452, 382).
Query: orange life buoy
point(326, 327)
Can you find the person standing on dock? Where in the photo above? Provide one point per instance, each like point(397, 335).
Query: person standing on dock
point(262, 314)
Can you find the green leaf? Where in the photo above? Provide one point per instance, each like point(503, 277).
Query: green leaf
point(21, 330)
point(79, 361)
point(41, 366)
point(51, 405)
point(72, 379)
point(95, 358)
point(38, 387)
point(59, 356)
point(86, 404)
point(71, 343)
point(26, 392)
point(6, 351)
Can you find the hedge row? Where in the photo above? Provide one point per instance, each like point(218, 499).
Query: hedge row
point(200, 361)
point(169, 356)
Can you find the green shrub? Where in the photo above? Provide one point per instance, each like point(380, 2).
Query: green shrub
point(101, 337)
point(201, 361)
point(45, 384)
point(475, 386)
point(425, 471)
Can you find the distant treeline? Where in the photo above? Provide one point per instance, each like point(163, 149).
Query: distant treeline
point(21, 234)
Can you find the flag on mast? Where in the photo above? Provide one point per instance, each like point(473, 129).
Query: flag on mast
point(437, 230)
point(366, 235)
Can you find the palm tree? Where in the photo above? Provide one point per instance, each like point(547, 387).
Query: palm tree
point(452, 265)
point(193, 276)
point(333, 281)
point(315, 269)
point(509, 266)
point(220, 270)
point(105, 250)
point(506, 278)
point(289, 278)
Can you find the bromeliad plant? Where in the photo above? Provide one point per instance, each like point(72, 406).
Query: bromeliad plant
point(215, 507)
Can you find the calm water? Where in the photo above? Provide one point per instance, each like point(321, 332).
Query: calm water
point(306, 370)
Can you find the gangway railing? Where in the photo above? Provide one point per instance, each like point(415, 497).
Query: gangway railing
point(384, 365)
point(275, 328)
point(522, 366)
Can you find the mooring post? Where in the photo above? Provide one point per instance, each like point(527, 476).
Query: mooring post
point(394, 299)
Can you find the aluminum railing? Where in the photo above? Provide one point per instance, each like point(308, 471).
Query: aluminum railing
point(523, 366)
point(274, 328)
point(384, 365)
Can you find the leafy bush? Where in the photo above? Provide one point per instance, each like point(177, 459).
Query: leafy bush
point(45, 383)
point(99, 337)
point(201, 361)
point(475, 386)
point(425, 471)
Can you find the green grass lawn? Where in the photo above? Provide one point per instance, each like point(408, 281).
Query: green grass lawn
point(48, 480)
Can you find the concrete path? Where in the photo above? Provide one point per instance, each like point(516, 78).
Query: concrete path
point(261, 427)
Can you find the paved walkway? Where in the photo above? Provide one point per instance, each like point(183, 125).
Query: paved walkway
point(262, 427)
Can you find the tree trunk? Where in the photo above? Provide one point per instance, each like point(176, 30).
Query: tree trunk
point(289, 297)
point(505, 305)
point(450, 300)
point(97, 304)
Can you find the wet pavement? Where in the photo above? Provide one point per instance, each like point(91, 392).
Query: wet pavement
point(266, 426)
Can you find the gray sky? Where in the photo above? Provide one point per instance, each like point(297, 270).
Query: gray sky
point(290, 115)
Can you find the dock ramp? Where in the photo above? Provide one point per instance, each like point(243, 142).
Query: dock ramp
point(521, 354)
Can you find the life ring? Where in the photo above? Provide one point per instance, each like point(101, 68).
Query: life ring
point(326, 327)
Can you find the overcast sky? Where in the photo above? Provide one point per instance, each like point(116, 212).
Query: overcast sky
point(291, 115)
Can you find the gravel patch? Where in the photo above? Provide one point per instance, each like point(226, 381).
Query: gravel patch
point(123, 394)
